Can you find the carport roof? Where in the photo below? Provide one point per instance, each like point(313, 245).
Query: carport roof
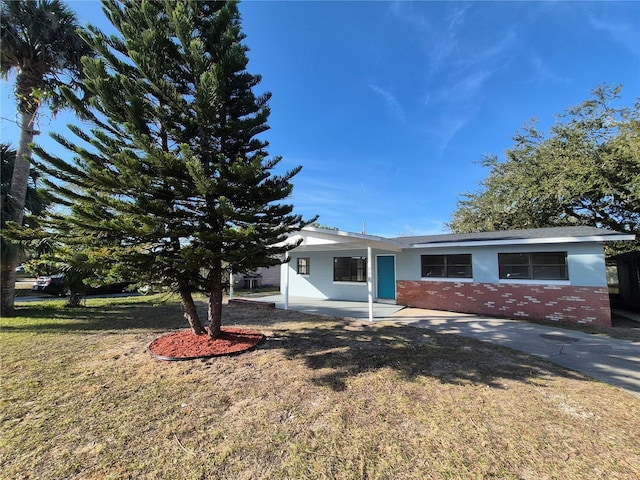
point(320, 239)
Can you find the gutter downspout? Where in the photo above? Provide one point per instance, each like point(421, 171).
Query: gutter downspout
point(286, 281)
point(369, 283)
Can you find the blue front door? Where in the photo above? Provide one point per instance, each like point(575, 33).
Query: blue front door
point(387, 277)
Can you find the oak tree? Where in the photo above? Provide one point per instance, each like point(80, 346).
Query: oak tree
point(585, 171)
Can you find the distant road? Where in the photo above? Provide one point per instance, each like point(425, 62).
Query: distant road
point(44, 296)
point(26, 283)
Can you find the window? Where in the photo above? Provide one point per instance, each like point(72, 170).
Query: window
point(304, 266)
point(350, 269)
point(447, 266)
point(533, 266)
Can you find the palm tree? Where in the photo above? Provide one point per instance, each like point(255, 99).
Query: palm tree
point(35, 204)
point(40, 43)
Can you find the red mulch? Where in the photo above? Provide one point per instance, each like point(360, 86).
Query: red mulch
point(185, 345)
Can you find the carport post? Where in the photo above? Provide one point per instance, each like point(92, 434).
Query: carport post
point(369, 283)
point(286, 281)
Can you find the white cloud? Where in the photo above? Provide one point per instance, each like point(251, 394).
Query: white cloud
point(494, 55)
point(625, 34)
point(542, 72)
point(391, 101)
point(467, 88)
point(446, 124)
point(428, 226)
point(458, 65)
point(446, 43)
point(455, 106)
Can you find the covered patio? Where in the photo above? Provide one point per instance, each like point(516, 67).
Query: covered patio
point(317, 240)
point(335, 308)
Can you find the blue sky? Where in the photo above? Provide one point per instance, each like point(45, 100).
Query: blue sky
point(388, 106)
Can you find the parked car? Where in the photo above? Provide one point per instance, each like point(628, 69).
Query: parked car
point(20, 269)
point(52, 284)
point(56, 285)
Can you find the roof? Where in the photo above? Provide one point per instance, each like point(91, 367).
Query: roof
point(533, 235)
point(318, 239)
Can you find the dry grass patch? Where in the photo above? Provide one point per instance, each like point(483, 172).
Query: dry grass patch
point(320, 398)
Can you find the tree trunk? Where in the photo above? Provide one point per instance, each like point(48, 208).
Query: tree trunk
point(7, 279)
point(190, 311)
point(15, 211)
point(74, 300)
point(214, 310)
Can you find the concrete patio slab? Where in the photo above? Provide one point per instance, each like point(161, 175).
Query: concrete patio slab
point(334, 308)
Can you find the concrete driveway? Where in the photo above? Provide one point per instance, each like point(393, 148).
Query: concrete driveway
point(610, 360)
point(613, 361)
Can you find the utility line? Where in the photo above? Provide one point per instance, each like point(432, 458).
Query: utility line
point(9, 120)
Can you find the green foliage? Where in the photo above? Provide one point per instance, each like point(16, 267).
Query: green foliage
point(586, 171)
point(83, 267)
point(39, 42)
point(324, 227)
point(171, 176)
point(35, 205)
point(38, 39)
point(36, 201)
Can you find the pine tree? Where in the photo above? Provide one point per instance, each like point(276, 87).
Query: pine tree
point(172, 174)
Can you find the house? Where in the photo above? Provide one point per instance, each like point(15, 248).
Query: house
point(555, 274)
point(260, 278)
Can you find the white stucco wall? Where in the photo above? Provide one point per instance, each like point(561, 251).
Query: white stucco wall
point(585, 262)
point(586, 267)
point(270, 277)
point(319, 283)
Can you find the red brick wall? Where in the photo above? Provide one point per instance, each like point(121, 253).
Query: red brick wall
point(560, 303)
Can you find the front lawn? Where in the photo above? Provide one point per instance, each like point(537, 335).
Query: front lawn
point(320, 398)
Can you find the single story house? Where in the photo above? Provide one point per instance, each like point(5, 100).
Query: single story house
point(555, 274)
point(259, 278)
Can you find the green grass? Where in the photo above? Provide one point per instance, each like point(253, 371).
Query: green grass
point(320, 398)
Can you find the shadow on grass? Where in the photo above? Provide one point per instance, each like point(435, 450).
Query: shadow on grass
point(341, 351)
point(337, 349)
point(50, 318)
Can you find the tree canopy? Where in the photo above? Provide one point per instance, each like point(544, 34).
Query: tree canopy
point(172, 175)
point(35, 201)
point(586, 171)
point(35, 205)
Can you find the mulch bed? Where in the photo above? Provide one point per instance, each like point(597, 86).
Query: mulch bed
point(185, 345)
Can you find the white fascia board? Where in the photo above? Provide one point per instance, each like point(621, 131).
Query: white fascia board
point(319, 236)
point(528, 241)
point(340, 233)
